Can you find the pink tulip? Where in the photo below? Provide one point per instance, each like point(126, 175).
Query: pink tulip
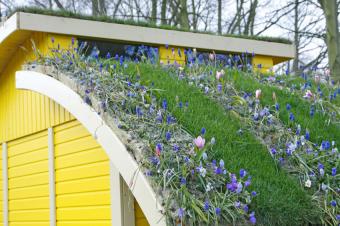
point(211, 56)
point(199, 142)
point(218, 75)
point(258, 93)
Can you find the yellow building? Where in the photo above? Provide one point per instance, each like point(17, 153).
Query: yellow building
point(57, 167)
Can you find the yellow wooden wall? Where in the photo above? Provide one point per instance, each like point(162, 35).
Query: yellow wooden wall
point(266, 63)
point(25, 112)
point(82, 178)
point(28, 183)
point(170, 55)
point(1, 189)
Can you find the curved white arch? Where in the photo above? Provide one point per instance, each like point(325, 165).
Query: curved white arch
point(114, 148)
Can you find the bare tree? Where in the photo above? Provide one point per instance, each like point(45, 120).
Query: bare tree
point(330, 10)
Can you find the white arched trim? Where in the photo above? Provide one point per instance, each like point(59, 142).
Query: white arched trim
point(114, 148)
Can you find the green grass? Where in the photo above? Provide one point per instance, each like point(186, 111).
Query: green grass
point(281, 201)
point(298, 82)
point(317, 125)
point(64, 13)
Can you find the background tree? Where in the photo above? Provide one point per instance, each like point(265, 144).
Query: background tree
point(330, 9)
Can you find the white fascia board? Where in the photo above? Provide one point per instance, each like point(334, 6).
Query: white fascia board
point(9, 26)
point(138, 34)
point(114, 148)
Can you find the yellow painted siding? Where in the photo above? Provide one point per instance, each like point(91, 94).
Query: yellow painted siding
point(171, 54)
point(25, 112)
point(82, 178)
point(1, 189)
point(140, 219)
point(262, 63)
point(28, 180)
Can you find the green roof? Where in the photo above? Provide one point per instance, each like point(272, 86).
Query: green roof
point(69, 14)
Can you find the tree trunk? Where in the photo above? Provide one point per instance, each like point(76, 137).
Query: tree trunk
point(219, 17)
point(194, 15)
point(249, 26)
point(329, 8)
point(95, 9)
point(296, 37)
point(154, 11)
point(184, 18)
point(102, 7)
point(163, 12)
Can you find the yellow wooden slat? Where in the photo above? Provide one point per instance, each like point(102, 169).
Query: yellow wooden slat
point(84, 213)
point(70, 134)
point(27, 181)
point(29, 192)
point(29, 215)
point(85, 223)
point(78, 145)
point(30, 223)
point(30, 157)
point(84, 185)
point(29, 204)
point(81, 158)
point(83, 199)
point(84, 171)
point(38, 141)
point(28, 169)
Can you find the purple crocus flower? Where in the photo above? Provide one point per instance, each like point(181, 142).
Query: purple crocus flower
point(252, 218)
point(333, 203)
point(277, 106)
point(175, 147)
point(164, 104)
point(245, 208)
point(218, 211)
point(243, 173)
point(183, 181)
point(167, 135)
point(206, 206)
point(219, 88)
point(181, 213)
point(273, 151)
point(334, 171)
point(218, 170)
point(108, 55)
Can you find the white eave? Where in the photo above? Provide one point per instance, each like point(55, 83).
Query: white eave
point(136, 34)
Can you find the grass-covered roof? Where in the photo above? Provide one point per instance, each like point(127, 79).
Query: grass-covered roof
point(69, 14)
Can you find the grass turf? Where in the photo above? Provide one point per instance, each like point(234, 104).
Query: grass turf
point(281, 201)
point(317, 125)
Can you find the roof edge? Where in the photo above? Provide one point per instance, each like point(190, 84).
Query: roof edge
point(9, 26)
point(152, 36)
